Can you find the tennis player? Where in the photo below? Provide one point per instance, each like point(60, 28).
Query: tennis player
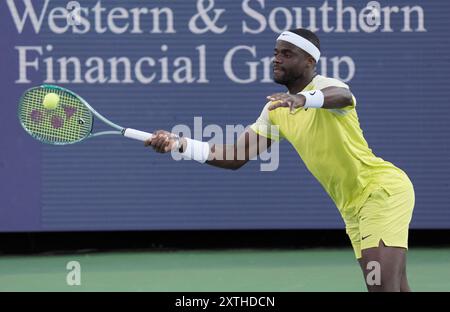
point(318, 117)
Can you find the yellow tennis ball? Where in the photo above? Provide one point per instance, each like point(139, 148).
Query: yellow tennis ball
point(51, 101)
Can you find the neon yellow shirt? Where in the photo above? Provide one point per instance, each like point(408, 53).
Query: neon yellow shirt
point(333, 148)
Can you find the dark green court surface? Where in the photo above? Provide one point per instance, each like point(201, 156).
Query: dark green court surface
point(228, 270)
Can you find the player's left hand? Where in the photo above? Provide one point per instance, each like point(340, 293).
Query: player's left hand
point(293, 101)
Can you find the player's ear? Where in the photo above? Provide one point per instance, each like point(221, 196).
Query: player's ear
point(311, 62)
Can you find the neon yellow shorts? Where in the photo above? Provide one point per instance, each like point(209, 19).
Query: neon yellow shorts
point(384, 216)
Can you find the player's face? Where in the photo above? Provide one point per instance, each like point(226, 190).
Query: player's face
point(290, 63)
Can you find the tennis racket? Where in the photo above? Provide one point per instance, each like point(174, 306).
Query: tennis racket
point(70, 121)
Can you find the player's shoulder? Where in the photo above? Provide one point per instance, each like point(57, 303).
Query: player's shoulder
point(322, 82)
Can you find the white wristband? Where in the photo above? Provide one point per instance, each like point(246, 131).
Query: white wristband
point(196, 150)
point(314, 98)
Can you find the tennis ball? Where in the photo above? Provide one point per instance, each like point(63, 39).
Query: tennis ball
point(51, 101)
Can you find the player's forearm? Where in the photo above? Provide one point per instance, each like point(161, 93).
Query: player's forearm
point(222, 156)
point(227, 157)
point(335, 97)
point(231, 156)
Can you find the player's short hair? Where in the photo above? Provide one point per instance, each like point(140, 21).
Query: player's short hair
point(308, 35)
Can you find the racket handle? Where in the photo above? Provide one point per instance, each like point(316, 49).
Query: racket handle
point(137, 135)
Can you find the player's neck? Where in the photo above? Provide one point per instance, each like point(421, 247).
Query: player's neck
point(298, 85)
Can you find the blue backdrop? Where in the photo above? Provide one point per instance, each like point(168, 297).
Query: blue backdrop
point(210, 59)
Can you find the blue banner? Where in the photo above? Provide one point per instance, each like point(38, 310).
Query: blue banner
point(205, 65)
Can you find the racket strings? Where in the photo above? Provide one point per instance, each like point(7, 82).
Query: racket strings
point(70, 122)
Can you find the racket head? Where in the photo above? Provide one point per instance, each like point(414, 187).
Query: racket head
point(70, 122)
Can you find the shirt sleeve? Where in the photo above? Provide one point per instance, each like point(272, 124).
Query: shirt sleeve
point(332, 82)
point(264, 126)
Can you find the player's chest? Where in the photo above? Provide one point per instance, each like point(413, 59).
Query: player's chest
point(293, 126)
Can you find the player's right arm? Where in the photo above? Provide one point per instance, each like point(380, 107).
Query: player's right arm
point(234, 156)
point(227, 156)
point(254, 141)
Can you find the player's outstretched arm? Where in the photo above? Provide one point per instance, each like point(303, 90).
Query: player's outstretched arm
point(230, 156)
point(234, 156)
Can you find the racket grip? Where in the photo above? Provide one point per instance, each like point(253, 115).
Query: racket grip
point(137, 135)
